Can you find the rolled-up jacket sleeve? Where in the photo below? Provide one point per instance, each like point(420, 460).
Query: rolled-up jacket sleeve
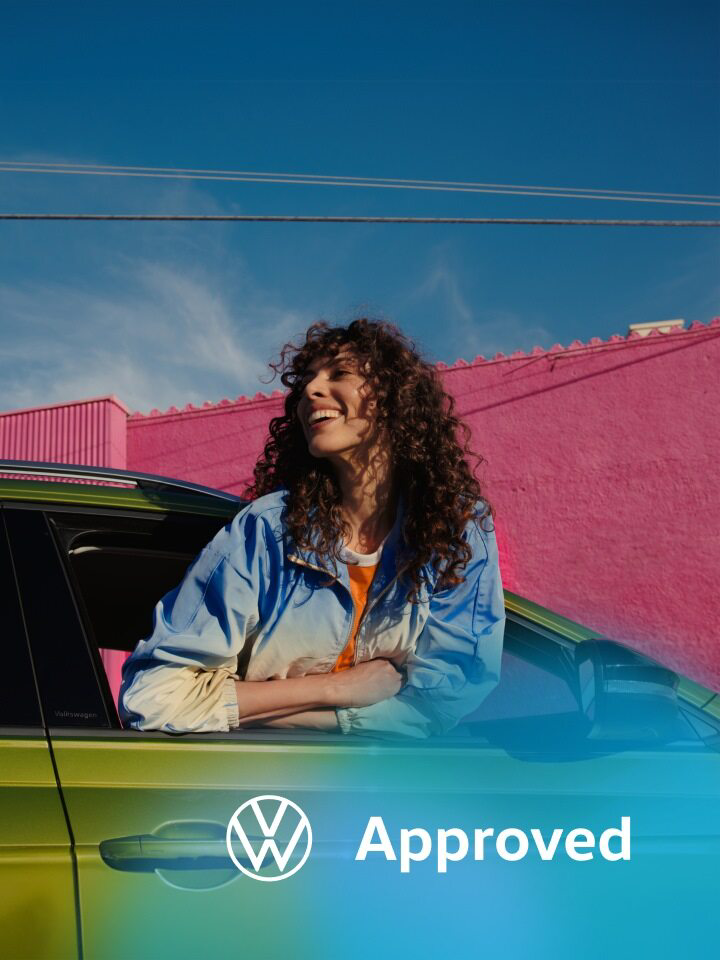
point(456, 661)
point(181, 678)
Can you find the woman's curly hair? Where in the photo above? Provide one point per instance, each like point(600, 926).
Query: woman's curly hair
point(429, 446)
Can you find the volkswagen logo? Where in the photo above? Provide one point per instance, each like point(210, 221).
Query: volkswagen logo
point(269, 833)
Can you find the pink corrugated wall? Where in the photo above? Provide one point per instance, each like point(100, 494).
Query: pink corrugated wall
point(602, 465)
point(90, 432)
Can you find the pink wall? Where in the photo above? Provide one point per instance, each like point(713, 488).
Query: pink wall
point(216, 445)
point(601, 462)
point(90, 432)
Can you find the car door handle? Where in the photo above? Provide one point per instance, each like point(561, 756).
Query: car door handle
point(145, 853)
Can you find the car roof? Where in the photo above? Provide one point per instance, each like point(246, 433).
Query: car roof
point(79, 485)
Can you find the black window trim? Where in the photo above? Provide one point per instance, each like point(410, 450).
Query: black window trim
point(38, 644)
point(14, 598)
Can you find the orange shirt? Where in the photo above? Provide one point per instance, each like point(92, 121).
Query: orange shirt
point(360, 580)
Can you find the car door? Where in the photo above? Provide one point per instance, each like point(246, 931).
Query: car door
point(150, 811)
point(37, 870)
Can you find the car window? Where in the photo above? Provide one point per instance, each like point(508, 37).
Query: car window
point(536, 678)
point(65, 668)
point(119, 567)
point(18, 694)
point(538, 704)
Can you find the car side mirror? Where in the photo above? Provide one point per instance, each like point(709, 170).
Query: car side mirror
point(626, 697)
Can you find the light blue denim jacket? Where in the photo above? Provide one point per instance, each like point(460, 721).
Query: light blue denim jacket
point(252, 594)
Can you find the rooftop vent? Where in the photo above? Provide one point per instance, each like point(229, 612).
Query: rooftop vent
point(664, 326)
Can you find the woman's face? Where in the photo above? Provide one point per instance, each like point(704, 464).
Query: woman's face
point(337, 409)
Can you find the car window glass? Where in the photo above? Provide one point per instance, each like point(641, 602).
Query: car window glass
point(18, 695)
point(536, 679)
point(64, 665)
point(538, 704)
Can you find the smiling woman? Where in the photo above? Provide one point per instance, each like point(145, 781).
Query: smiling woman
point(360, 590)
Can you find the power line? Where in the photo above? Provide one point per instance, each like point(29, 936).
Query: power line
point(266, 218)
point(326, 176)
point(452, 186)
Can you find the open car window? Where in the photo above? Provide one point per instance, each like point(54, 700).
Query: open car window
point(119, 567)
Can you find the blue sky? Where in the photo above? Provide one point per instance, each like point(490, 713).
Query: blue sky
point(583, 94)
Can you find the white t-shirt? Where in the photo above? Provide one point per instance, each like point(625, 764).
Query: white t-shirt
point(361, 559)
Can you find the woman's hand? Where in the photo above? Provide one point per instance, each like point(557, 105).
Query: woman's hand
point(364, 684)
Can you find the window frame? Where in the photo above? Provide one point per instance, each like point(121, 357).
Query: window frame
point(32, 542)
point(19, 662)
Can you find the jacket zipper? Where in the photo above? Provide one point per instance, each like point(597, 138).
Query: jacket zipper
point(371, 606)
point(356, 629)
point(368, 606)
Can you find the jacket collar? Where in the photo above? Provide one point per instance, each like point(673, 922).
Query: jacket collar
point(392, 549)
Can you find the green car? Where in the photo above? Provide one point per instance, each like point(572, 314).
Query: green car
point(114, 843)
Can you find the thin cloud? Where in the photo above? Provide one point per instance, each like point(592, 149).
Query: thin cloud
point(171, 338)
point(444, 284)
point(471, 332)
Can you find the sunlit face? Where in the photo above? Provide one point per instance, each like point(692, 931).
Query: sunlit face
point(337, 410)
